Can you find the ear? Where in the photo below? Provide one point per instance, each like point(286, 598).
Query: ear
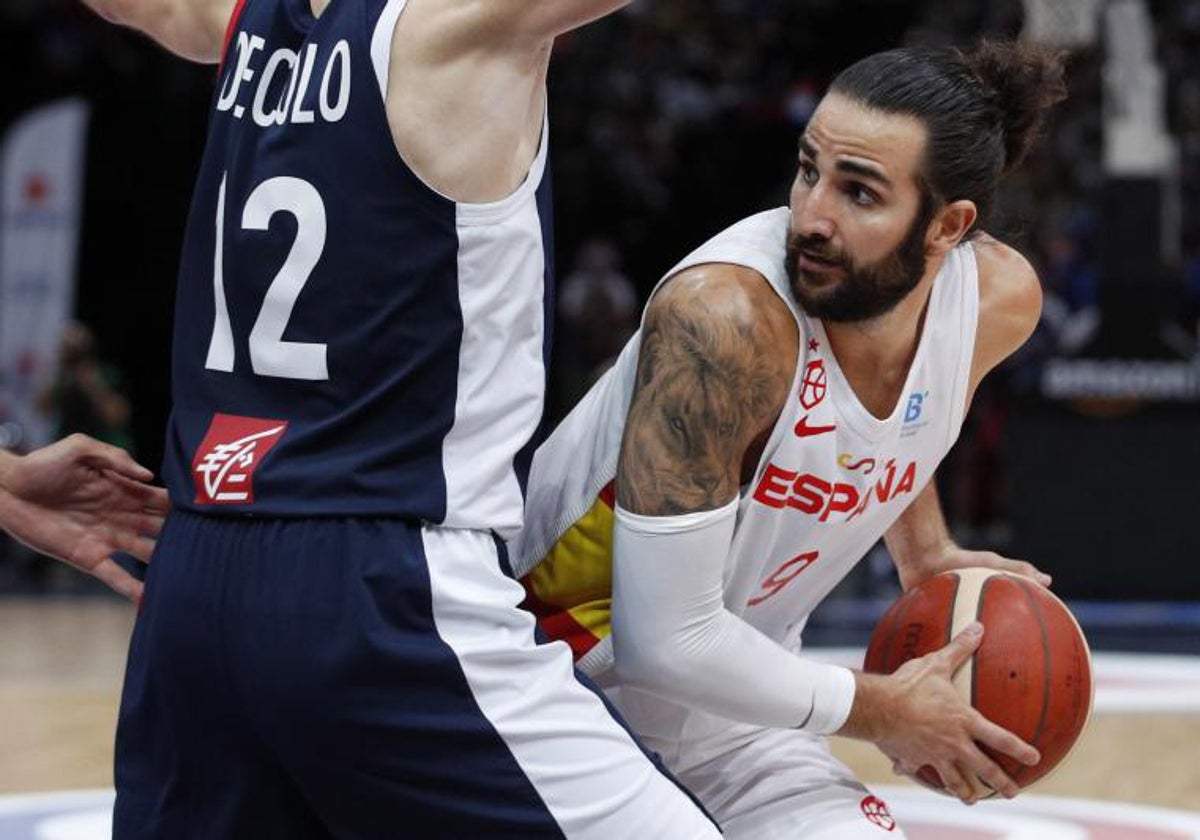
point(949, 226)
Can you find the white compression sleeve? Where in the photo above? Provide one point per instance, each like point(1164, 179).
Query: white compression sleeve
point(673, 636)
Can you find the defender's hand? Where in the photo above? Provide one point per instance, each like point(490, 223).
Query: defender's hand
point(81, 501)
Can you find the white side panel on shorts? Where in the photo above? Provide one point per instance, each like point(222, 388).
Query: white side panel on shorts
point(594, 779)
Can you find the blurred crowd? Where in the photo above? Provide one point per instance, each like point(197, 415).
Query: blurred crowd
point(668, 122)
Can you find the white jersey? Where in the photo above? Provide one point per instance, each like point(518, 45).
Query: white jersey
point(831, 479)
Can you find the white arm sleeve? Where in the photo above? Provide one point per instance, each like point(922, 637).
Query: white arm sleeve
point(673, 637)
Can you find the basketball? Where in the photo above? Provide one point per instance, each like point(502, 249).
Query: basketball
point(1032, 673)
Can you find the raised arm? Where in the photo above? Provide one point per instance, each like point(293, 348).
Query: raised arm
point(533, 21)
point(193, 29)
point(466, 88)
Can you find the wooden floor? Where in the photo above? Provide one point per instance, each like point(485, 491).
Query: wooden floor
point(60, 673)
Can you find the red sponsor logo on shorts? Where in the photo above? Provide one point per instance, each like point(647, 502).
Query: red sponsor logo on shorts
point(876, 810)
point(224, 465)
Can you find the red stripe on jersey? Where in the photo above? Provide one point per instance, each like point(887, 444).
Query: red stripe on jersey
point(229, 29)
point(558, 623)
point(608, 494)
point(561, 625)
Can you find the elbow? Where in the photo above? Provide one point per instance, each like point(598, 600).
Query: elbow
point(113, 11)
point(120, 12)
point(645, 675)
point(652, 667)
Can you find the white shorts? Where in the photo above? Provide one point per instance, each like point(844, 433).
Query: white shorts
point(759, 783)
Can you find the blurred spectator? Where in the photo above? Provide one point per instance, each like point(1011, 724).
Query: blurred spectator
point(1069, 272)
point(597, 314)
point(86, 393)
point(1191, 294)
point(85, 397)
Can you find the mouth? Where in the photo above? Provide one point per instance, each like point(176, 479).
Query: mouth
point(811, 263)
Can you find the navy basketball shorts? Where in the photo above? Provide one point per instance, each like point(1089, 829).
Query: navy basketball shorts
point(364, 678)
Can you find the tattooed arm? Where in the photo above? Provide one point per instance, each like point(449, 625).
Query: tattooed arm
point(717, 357)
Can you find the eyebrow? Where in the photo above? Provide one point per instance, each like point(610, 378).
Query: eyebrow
point(851, 167)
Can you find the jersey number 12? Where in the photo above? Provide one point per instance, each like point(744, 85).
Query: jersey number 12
point(270, 355)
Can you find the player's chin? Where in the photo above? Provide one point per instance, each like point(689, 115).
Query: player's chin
point(819, 285)
point(814, 289)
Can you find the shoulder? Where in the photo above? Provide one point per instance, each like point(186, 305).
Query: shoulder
point(722, 294)
point(725, 321)
point(714, 367)
point(1010, 302)
point(721, 327)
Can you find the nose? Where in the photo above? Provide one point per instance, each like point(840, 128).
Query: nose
point(812, 211)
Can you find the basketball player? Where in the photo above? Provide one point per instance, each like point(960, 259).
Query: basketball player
point(795, 383)
point(81, 501)
point(329, 644)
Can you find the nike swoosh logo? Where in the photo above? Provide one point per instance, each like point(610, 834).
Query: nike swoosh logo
point(805, 430)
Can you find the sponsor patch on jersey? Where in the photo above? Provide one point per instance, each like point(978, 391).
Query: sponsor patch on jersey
point(848, 462)
point(914, 414)
point(806, 429)
point(814, 385)
point(876, 810)
point(224, 464)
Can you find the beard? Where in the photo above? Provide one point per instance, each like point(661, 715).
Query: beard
point(867, 290)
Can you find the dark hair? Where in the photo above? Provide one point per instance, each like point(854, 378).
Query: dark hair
point(982, 109)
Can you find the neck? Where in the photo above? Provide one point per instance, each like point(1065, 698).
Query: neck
point(318, 6)
point(875, 355)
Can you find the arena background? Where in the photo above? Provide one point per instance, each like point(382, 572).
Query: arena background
point(668, 122)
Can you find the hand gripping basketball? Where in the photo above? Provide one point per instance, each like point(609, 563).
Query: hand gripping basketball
point(1027, 680)
point(935, 731)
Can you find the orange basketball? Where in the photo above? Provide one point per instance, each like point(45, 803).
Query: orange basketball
point(1032, 674)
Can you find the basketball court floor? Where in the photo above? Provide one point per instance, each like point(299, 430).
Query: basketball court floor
point(1135, 775)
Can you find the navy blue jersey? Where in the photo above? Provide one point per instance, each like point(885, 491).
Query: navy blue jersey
point(349, 341)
